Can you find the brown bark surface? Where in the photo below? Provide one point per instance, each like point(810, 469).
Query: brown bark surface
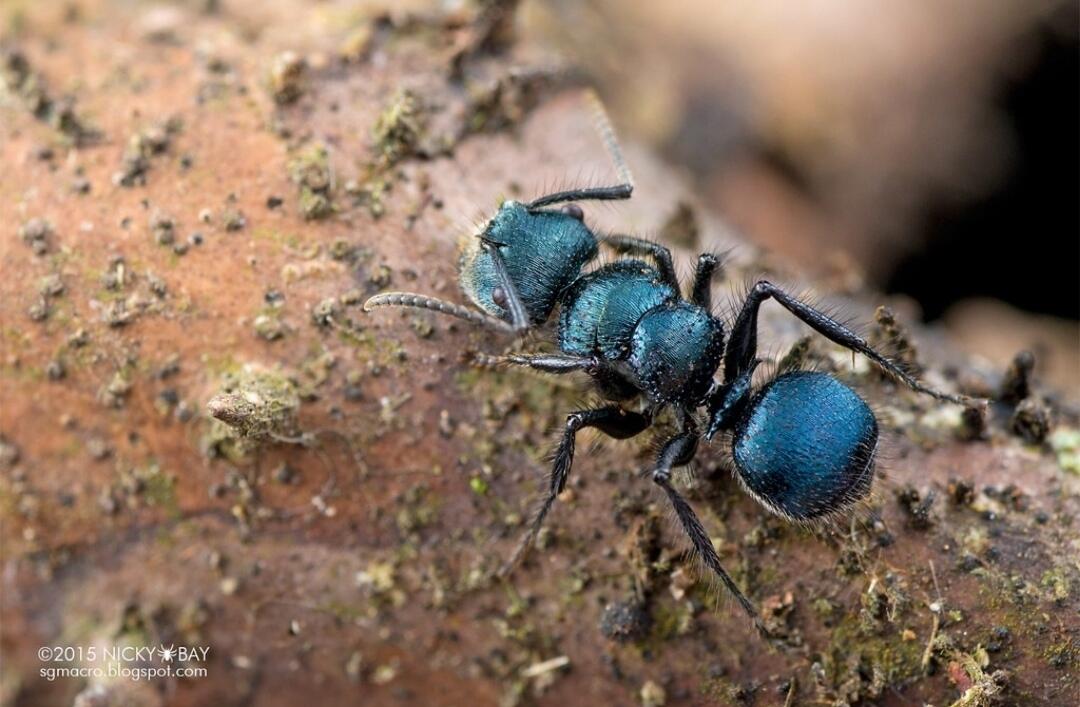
point(347, 552)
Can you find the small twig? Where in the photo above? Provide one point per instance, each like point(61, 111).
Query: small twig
point(538, 669)
point(789, 701)
point(935, 609)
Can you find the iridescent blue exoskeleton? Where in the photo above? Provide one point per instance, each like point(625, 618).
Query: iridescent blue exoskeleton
point(803, 444)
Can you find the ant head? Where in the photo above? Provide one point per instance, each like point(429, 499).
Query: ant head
point(522, 237)
point(573, 211)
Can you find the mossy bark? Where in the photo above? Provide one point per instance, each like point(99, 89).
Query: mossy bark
point(349, 552)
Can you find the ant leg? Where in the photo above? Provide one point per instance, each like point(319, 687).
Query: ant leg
point(552, 363)
point(545, 363)
point(707, 265)
point(519, 318)
point(612, 384)
point(677, 451)
point(725, 401)
point(641, 246)
point(612, 421)
point(626, 181)
point(742, 346)
point(417, 301)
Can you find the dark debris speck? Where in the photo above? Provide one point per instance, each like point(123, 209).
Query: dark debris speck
point(916, 507)
point(1031, 421)
point(624, 621)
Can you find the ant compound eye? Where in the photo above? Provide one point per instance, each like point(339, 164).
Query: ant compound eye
point(498, 296)
point(574, 211)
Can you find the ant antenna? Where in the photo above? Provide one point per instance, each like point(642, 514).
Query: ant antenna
point(603, 127)
point(417, 301)
point(602, 124)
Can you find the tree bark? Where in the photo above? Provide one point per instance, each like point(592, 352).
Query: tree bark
point(216, 190)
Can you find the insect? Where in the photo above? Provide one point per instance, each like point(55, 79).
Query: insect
point(803, 444)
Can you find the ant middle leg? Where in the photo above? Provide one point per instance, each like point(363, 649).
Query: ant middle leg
point(612, 421)
point(678, 451)
point(641, 246)
point(742, 346)
point(707, 266)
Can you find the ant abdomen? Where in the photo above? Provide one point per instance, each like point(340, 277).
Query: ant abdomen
point(802, 465)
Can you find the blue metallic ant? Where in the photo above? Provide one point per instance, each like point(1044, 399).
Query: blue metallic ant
point(803, 444)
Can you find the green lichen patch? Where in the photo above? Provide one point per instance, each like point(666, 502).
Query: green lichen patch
point(861, 666)
point(503, 102)
point(287, 77)
point(25, 86)
point(252, 406)
point(419, 509)
point(1065, 441)
point(310, 170)
point(399, 129)
point(141, 148)
point(268, 324)
point(1056, 583)
point(370, 193)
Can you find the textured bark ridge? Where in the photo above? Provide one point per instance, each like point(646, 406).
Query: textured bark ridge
point(196, 201)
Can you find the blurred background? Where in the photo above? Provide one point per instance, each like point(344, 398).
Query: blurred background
point(925, 149)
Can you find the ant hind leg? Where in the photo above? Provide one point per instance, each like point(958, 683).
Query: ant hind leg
point(742, 346)
point(678, 451)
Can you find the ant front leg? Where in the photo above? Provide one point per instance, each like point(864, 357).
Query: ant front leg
point(678, 451)
point(508, 298)
point(612, 421)
point(552, 363)
point(742, 347)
